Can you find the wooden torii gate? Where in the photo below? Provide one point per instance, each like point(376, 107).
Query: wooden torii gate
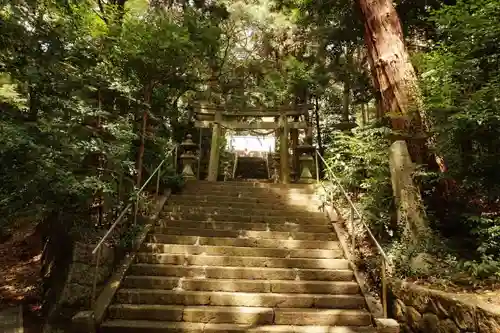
point(218, 117)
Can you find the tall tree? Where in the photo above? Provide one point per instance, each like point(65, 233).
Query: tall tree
point(393, 74)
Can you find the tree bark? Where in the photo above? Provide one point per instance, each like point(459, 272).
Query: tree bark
point(399, 99)
point(393, 74)
point(144, 124)
point(364, 119)
point(346, 101)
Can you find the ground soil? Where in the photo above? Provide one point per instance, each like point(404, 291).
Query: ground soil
point(20, 275)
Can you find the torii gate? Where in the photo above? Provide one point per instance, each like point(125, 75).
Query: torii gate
point(217, 117)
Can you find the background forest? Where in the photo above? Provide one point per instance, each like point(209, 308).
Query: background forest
point(93, 93)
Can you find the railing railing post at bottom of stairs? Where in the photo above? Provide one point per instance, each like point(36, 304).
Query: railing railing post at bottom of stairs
point(96, 273)
point(353, 232)
point(384, 286)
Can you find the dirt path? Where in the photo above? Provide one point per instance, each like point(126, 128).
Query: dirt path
point(20, 275)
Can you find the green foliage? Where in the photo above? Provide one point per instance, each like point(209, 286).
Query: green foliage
point(361, 165)
point(172, 180)
point(461, 83)
point(129, 236)
point(74, 83)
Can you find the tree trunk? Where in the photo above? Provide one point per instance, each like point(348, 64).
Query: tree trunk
point(400, 101)
point(346, 101)
point(394, 77)
point(364, 119)
point(140, 156)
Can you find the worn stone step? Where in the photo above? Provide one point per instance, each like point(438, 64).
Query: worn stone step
point(241, 315)
point(185, 231)
point(240, 251)
point(238, 285)
point(289, 199)
point(230, 225)
point(251, 273)
point(199, 314)
point(227, 210)
point(205, 260)
point(220, 298)
point(243, 242)
point(250, 191)
point(256, 199)
point(243, 204)
point(243, 218)
point(249, 184)
point(322, 317)
point(145, 326)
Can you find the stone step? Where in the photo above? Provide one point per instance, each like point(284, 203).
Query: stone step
point(220, 298)
point(250, 190)
point(239, 315)
point(224, 197)
point(199, 260)
point(228, 225)
point(251, 273)
point(184, 231)
point(240, 251)
point(269, 196)
point(250, 184)
point(240, 204)
point(250, 218)
point(243, 242)
point(145, 326)
point(238, 285)
point(226, 210)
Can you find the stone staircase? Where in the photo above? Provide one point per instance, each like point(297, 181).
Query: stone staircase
point(251, 168)
point(240, 257)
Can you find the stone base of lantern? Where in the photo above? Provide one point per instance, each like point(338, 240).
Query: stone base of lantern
point(188, 162)
point(306, 164)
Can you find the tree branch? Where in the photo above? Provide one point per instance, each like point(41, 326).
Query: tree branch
point(103, 12)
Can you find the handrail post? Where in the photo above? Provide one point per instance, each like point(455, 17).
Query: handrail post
point(353, 232)
point(158, 182)
point(136, 209)
point(96, 272)
point(384, 287)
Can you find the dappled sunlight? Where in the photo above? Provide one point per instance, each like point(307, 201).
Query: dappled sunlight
point(251, 255)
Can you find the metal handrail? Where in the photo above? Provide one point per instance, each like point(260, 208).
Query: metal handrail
point(97, 249)
point(386, 261)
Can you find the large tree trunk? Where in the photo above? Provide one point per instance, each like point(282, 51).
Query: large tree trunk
point(394, 77)
point(144, 124)
point(346, 101)
point(395, 81)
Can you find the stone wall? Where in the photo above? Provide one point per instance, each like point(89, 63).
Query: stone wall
point(423, 310)
point(77, 290)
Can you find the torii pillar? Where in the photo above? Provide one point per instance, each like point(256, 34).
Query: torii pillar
point(213, 165)
point(285, 167)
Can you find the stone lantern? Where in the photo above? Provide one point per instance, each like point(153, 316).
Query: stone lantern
point(306, 161)
point(188, 157)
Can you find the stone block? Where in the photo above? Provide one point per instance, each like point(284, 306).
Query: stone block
point(399, 310)
point(413, 318)
point(83, 322)
point(387, 325)
point(448, 326)
point(429, 322)
point(488, 320)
